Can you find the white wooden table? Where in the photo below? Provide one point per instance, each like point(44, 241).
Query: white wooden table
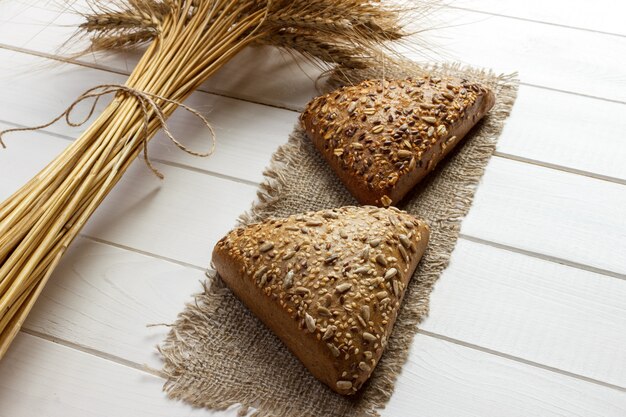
point(530, 318)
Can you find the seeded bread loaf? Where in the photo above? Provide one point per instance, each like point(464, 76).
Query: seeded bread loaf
point(382, 139)
point(327, 283)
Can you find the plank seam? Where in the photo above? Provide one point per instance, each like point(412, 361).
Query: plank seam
point(503, 155)
point(247, 99)
point(520, 360)
point(93, 352)
point(112, 70)
point(238, 180)
point(509, 248)
point(143, 252)
point(549, 258)
point(154, 372)
point(561, 168)
point(541, 22)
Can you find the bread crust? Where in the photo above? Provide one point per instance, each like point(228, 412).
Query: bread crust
point(337, 308)
point(382, 139)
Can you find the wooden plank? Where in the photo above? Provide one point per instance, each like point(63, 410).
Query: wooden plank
point(136, 228)
point(40, 378)
point(566, 130)
point(602, 15)
point(78, 287)
point(546, 55)
point(102, 298)
point(551, 212)
point(442, 379)
point(541, 311)
point(35, 90)
point(542, 125)
point(563, 215)
point(181, 217)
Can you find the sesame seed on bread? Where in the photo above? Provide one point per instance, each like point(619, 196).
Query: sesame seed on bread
point(382, 137)
point(328, 283)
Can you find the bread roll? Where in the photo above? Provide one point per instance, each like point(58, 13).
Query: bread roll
point(381, 139)
point(328, 283)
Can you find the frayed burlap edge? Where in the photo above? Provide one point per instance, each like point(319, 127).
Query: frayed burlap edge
point(445, 233)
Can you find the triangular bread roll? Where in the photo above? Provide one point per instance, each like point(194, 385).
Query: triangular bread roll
point(328, 283)
point(382, 138)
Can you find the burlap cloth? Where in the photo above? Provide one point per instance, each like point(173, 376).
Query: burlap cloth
point(217, 354)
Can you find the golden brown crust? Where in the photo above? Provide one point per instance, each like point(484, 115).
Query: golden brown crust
point(381, 140)
point(328, 283)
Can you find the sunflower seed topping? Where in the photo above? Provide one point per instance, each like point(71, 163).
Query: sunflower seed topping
point(403, 253)
point(342, 288)
point(369, 337)
point(267, 246)
point(391, 272)
point(302, 291)
point(364, 367)
point(396, 288)
point(404, 154)
point(330, 331)
point(333, 349)
point(310, 322)
point(374, 242)
point(260, 272)
point(344, 385)
point(405, 241)
point(365, 312)
point(362, 270)
point(288, 280)
point(341, 291)
point(378, 129)
point(331, 258)
point(368, 135)
point(326, 300)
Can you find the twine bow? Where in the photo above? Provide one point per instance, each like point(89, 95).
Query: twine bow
point(149, 106)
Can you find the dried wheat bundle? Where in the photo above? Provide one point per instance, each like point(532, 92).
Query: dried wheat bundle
point(188, 41)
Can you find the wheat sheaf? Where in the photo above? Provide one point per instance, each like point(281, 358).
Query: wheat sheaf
point(185, 42)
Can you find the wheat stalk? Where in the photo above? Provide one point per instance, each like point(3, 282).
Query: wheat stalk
point(189, 41)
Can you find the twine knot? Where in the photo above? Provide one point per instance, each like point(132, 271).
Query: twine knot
point(149, 107)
